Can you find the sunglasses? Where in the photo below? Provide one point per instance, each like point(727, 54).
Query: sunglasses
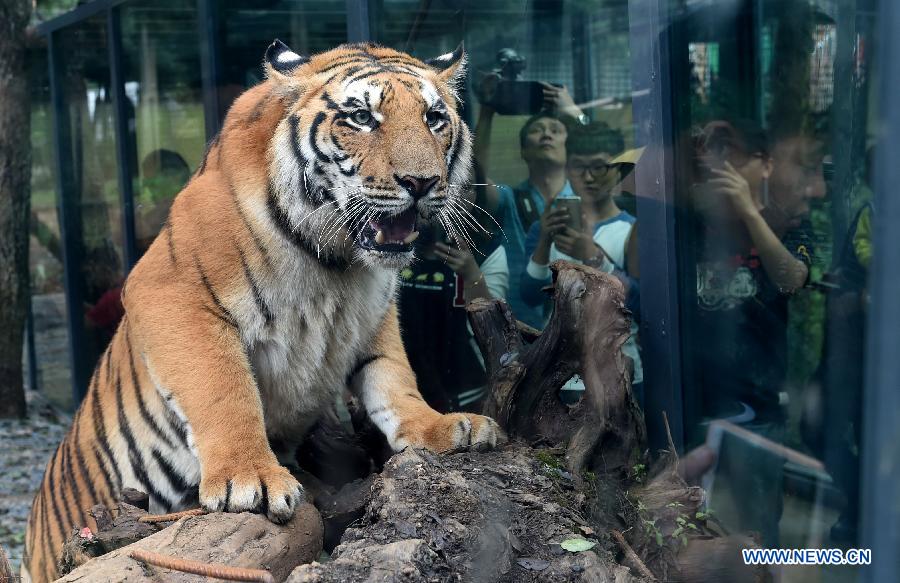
point(596, 169)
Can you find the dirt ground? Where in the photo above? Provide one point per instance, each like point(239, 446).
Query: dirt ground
point(25, 448)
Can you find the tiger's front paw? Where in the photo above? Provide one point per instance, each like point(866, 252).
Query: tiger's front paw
point(271, 490)
point(455, 430)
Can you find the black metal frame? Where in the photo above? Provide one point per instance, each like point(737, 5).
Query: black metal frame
point(655, 126)
point(69, 222)
point(210, 65)
point(76, 15)
point(124, 137)
point(359, 22)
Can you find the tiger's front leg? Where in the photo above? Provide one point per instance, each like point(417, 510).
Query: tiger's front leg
point(199, 359)
point(387, 386)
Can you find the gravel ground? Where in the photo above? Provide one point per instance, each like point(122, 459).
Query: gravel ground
point(25, 448)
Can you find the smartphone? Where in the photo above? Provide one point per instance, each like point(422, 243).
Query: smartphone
point(573, 205)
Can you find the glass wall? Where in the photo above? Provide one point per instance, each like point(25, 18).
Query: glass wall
point(539, 72)
point(715, 156)
point(50, 340)
point(91, 216)
point(164, 106)
point(773, 137)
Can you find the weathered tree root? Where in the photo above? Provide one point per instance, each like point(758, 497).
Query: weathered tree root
point(585, 334)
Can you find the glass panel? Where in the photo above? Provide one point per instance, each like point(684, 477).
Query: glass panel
point(569, 63)
point(161, 72)
point(773, 167)
point(246, 29)
point(91, 204)
point(48, 302)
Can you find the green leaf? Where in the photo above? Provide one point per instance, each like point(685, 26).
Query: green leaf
point(576, 545)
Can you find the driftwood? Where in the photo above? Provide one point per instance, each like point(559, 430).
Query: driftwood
point(116, 528)
point(605, 432)
point(247, 541)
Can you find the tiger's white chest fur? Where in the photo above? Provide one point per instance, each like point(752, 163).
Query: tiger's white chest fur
point(323, 324)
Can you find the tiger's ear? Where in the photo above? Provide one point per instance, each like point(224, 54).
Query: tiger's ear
point(451, 66)
point(281, 60)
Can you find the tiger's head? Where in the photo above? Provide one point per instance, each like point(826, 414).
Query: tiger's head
point(370, 146)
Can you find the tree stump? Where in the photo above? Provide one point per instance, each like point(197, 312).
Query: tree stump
point(584, 336)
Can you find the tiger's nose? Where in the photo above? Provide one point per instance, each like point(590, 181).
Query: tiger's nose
point(416, 186)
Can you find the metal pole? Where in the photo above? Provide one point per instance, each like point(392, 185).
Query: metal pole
point(881, 431)
point(656, 130)
point(359, 27)
point(210, 65)
point(124, 137)
point(69, 224)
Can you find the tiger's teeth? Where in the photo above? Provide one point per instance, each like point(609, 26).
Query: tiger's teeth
point(379, 237)
point(411, 237)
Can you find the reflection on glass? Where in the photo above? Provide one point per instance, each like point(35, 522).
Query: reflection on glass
point(161, 64)
point(48, 305)
point(776, 217)
point(246, 29)
point(93, 197)
point(537, 77)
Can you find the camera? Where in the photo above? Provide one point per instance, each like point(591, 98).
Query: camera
point(512, 95)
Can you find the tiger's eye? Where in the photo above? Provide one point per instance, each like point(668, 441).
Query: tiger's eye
point(433, 117)
point(361, 116)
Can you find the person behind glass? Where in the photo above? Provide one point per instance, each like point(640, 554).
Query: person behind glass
point(163, 174)
point(433, 292)
point(605, 229)
point(542, 140)
point(751, 203)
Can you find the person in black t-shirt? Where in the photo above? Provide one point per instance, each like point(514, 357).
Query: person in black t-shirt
point(750, 205)
point(434, 291)
point(753, 252)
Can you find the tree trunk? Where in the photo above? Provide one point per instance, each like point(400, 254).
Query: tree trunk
point(15, 185)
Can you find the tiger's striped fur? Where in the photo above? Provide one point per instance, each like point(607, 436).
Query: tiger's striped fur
point(266, 293)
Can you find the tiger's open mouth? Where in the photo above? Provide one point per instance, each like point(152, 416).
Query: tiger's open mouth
point(390, 233)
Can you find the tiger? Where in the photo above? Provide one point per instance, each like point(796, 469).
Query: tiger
point(270, 289)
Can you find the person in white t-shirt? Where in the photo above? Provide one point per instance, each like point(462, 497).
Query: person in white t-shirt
point(606, 229)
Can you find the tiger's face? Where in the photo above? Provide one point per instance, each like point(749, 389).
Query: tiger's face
point(372, 148)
